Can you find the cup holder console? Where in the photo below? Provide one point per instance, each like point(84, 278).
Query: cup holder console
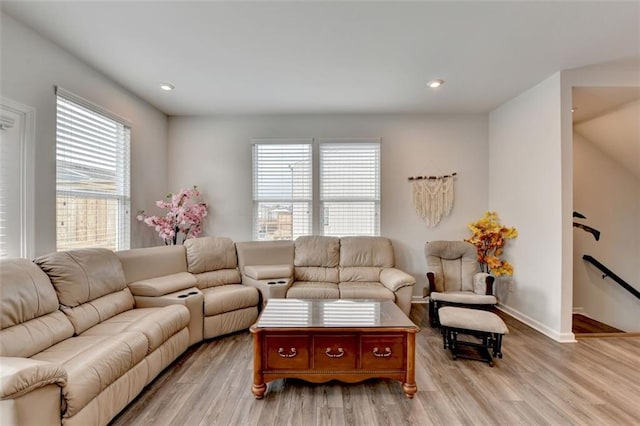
point(276, 282)
point(184, 295)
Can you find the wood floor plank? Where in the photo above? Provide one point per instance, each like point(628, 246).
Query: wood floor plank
point(538, 382)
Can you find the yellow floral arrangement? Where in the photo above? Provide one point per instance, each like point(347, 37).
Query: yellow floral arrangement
point(489, 237)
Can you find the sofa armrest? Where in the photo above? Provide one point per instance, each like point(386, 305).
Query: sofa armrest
point(269, 288)
point(19, 376)
point(483, 283)
point(394, 279)
point(268, 272)
point(431, 279)
point(191, 297)
point(159, 286)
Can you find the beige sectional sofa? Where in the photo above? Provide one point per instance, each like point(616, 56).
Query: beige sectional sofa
point(83, 332)
point(316, 267)
point(76, 327)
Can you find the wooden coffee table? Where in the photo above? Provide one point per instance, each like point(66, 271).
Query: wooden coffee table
point(323, 340)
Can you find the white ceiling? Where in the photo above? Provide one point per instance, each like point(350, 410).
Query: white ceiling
point(319, 57)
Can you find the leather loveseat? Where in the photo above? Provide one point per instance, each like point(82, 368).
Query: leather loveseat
point(318, 267)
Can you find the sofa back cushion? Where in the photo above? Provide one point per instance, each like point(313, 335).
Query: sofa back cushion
point(317, 273)
point(90, 285)
point(360, 274)
point(317, 251)
point(145, 263)
point(79, 276)
point(317, 259)
point(29, 317)
point(210, 254)
point(366, 251)
point(454, 263)
point(264, 253)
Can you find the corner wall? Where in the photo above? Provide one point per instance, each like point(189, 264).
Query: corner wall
point(525, 188)
point(215, 154)
point(31, 67)
point(609, 196)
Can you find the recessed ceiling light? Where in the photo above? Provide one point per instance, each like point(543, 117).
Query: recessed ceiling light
point(167, 86)
point(435, 83)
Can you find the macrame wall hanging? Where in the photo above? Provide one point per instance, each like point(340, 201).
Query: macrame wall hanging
point(433, 197)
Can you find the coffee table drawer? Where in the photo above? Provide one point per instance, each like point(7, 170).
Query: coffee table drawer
point(383, 352)
point(336, 352)
point(287, 352)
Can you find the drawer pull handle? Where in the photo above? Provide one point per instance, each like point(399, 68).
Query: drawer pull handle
point(385, 354)
point(330, 354)
point(291, 354)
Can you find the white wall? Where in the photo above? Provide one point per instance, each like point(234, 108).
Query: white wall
point(215, 154)
point(31, 67)
point(609, 195)
point(525, 176)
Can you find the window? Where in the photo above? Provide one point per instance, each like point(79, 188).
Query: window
point(282, 189)
point(92, 176)
point(345, 197)
point(17, 124)
point(350, 188)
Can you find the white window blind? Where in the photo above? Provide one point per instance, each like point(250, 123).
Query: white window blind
point(282, 189)
point(92, 176)
point(350, 188)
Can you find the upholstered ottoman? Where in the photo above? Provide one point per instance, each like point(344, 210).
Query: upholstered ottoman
point(483, 324)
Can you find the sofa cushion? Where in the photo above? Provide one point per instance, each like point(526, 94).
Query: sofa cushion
point(360, 273)
point(317, 273)
point(227, 298)
point(36, 335)
point(365, 290)
point(93, 363)
point(144, 263)
point(157, 324)
point(313, 290)
point(159, 286)
point(210, 254)
point(26, 292)
point(91, 313)
point(366, 251)
point(217, 278)
point(29, 317)
point(311, 250)
point(79, 276)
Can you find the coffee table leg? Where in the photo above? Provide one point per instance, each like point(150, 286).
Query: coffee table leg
point(259, 387)
point(409, 386)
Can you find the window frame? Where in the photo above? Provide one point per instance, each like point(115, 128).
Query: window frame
point(26, 165)
point(122, 194)
point(256, 202)
point(316, 215)
point(376, 200)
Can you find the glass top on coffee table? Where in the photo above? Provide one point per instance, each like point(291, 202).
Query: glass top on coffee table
point(330, 313)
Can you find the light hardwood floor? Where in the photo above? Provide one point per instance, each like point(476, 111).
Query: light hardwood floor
point(538, 382)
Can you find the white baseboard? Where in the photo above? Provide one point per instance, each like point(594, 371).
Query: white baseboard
point(419, 299)
point(536, 325)
point(579, 310)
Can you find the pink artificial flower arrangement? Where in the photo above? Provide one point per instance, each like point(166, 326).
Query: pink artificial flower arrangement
point(186, 211)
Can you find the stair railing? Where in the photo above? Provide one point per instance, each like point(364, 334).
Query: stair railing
point(609, 273)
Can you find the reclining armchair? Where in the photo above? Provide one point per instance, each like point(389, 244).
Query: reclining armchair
point(455, 278)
